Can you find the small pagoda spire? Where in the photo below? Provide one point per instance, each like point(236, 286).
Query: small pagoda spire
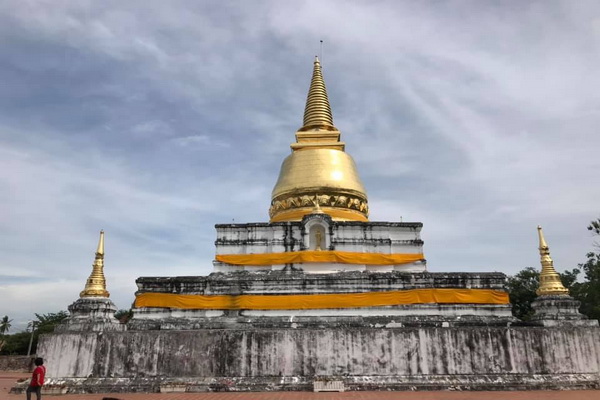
point(96, 283)
point(550, 283)
point(317, 113)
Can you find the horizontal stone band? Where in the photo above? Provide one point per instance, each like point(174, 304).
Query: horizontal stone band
point(320, 301)
point(300, 257)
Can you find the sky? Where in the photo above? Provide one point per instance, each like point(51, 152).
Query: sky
point(156, 120)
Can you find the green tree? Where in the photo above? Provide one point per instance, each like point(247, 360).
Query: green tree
point(588, 291)
point(47, 322)
point(595, 226)
point(521, 289)
point(124, 315)
point(16, 344)
point(5, 324)
point(4, 327)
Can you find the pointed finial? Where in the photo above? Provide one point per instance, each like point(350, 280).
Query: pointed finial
point(541, 237)
point(100, 249)
point(550, 283)
point(317, 113)
point(321, 50)
point(95, 285)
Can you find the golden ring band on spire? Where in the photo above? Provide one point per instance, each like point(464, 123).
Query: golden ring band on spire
point(317, 111)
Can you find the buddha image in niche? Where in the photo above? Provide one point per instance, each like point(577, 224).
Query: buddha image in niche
point(317, 238)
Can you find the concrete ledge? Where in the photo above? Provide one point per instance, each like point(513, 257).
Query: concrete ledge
point(492, 382)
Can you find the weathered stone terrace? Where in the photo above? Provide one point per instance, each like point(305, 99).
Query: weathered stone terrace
point(297, 282)
point(290, 282)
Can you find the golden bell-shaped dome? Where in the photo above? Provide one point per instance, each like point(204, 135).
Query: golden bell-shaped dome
point(318, 172)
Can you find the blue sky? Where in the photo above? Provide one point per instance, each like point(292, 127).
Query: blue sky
point(156, 120)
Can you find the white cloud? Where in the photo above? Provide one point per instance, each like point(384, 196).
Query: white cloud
point(199, 141)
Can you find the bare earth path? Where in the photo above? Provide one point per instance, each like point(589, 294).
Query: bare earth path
point(8, 379)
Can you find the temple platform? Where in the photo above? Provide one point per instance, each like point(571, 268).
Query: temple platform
point(425, 358)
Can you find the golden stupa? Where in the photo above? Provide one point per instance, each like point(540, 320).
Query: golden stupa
point(318, 172)
point(550, 283)
point(96, 283)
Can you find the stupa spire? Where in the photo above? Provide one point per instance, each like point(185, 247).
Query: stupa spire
point(550, 283)
point(318, 174)
point(317, 129)
point(317, 113)
point(96, 283)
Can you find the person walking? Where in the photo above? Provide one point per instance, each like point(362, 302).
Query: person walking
point(37, 379)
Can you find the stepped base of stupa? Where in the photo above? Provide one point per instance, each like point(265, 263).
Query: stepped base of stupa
point(251, 359)
point(420, 346)
point(293, 299)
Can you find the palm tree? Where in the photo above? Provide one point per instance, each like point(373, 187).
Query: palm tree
point(4, 327)
point(5, 324)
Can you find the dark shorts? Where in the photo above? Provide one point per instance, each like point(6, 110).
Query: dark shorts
point(34, 389)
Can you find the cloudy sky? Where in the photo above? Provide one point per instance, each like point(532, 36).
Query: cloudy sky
point(156, 120)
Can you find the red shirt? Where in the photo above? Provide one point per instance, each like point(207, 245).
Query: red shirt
point(39, 373)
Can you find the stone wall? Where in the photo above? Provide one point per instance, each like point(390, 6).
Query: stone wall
point(16, 363)
point(364, 358)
